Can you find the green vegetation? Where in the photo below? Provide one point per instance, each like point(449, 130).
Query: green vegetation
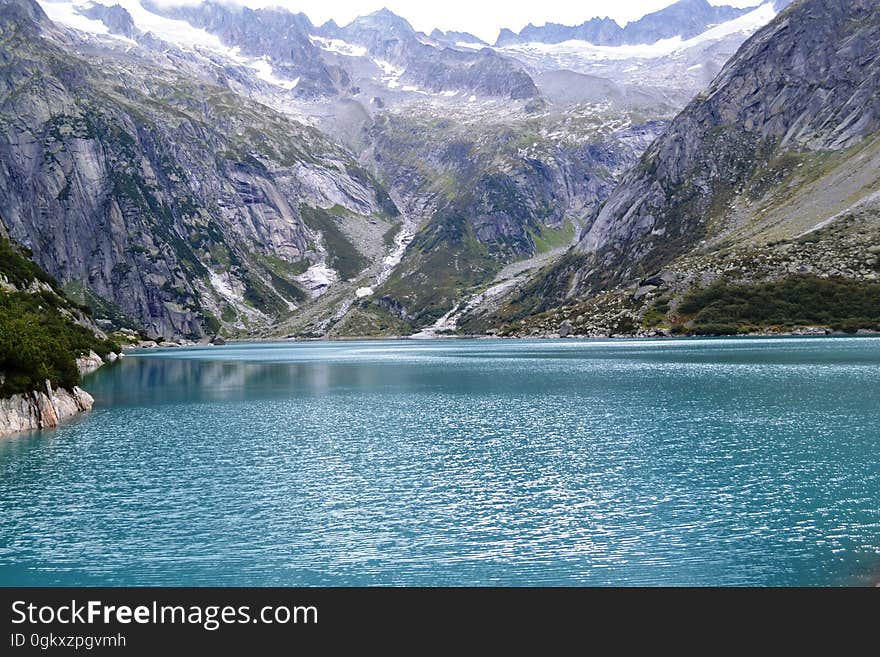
point(38, 343)
point(546, 238)
point(281, 266)
point(840, 303)
point(286, 289)
point(445, 262)
point(545, 292)
point(261, 297)
point(96, 306)
point(369, 319)
point(39, 340)
point(228, 314)
point(211, 323)
point(656, 314)
point(342, 255)
point(281, 272)
point(18, 269)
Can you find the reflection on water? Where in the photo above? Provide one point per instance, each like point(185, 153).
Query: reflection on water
point(459, 462)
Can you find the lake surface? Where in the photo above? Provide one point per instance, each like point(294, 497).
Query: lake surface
point(678, 462)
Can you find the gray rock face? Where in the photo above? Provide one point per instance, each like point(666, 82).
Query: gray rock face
point(24, 16)
point(492, 194)
point(117, 19)
point(453, 38)
point(391, 38)
point(90, 363)
point(503, 192)
point(805, 84)
point(279, 35)
point(156, 194)
point(42, 409)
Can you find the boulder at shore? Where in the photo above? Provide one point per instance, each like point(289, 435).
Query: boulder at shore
point(88, 364)
point(42, 409)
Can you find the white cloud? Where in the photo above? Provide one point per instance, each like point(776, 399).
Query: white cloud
point(483, 18)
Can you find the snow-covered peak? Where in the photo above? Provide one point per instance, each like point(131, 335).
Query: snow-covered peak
point(744, 25)
point(178, 32)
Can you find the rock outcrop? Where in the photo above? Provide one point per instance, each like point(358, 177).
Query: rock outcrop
point(38, 319)
point(783, 140)
point(46, 409)
point(152, 190)
point(42, 409)
point(90, 363)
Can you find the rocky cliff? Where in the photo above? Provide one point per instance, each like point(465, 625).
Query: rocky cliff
point(497, 191)
point(156, 194)
point(799, 97)
point(777, 161)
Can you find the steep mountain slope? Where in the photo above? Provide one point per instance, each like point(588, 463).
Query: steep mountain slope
point(502, 190)
point(142, 165)
point(382, 41)
point(662, 52)
point(485, 181)
point(279, 36)
point(773, 171)
point(482, 187)
point(158, 196)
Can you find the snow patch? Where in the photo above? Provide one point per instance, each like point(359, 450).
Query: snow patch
point(745, 24)
point(339, 46)
point(222, 283)
point(177, 32)
point(401, 241)
point(391, 74)
point(317, 279)
point(263, 69)
point(67, 13)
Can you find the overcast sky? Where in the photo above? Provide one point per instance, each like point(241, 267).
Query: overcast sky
point(481, 17)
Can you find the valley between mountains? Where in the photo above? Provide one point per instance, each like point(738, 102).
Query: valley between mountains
point(183, 172)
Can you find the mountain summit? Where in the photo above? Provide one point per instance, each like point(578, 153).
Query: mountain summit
point(684, 19)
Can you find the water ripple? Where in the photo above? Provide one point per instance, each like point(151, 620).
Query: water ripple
point(459, 462)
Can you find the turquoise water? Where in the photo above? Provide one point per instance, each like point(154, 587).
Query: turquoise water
point(741, 462)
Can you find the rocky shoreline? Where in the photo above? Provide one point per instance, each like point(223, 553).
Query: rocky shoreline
point(42, 409)
point(48, 408)
point(150, 345)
